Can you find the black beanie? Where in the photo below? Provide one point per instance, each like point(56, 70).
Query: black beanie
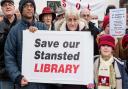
point(23, 2)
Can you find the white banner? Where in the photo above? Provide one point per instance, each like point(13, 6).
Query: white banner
point(58, 57)
point(97, 7)
point(118, 22)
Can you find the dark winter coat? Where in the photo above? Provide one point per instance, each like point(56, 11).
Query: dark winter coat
point(13, 53)
point(95, 31)
point(5, 27)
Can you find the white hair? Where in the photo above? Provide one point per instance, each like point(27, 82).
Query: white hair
point(72, 12)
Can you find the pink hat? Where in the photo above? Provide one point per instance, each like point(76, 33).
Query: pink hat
point(47, 10)
point(106, 40)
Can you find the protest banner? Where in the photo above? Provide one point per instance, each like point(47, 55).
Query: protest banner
point(97, 7)
point(64, 57)
point(117, 22)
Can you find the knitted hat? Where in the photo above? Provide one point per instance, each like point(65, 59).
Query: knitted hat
point(105, 22)
point(3, 1)
point(23, 2)
point(106, 40)
point(47, 10)
point(125, 41)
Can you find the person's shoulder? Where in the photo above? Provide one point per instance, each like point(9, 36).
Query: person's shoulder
point(40, 23)
point(119, 60)
point(41, 26)
point(2, 23)
point(16, 27)
point(96, 57)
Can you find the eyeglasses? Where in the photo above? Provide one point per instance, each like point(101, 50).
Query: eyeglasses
point(7, 4)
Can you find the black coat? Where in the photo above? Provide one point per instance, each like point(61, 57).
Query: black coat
point(5, 27)
point(94, 31)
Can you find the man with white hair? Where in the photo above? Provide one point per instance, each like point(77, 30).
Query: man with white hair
point(73, 22)
point(86, 15)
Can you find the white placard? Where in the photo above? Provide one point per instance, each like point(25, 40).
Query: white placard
point(118, 22)
point(64, 57)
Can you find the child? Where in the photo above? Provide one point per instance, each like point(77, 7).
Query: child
point(108, 70)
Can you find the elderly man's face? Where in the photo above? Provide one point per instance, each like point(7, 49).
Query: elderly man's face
point(8, 8)
point(72, 22)
point(85, 14)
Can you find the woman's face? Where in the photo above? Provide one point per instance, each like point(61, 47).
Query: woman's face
point(72, 22)
point(106, 50)
point(107, 29)
point(47, 19)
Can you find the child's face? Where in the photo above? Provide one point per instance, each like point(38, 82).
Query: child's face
point(106, 50)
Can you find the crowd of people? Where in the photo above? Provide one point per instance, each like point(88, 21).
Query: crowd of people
point(110, 53)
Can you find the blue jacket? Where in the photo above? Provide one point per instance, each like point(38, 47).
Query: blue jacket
point(13, 48)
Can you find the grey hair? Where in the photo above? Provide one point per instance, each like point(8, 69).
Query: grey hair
point(72, 12)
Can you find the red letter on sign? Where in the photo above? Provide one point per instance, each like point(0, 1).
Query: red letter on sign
point(68, 68)
point(35, 70)
point(64, 3)
point(41, 68)
point(54, 68)
point(76, 68)
point(47, 68)
point(61, 69)
point(77, 6)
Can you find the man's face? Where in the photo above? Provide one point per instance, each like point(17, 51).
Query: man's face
point(8, 8)
point(28, 11)
point(72, 22)
point(47, 19)
point(85, 15)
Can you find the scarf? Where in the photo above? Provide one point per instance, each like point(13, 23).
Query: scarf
point(105, 74)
